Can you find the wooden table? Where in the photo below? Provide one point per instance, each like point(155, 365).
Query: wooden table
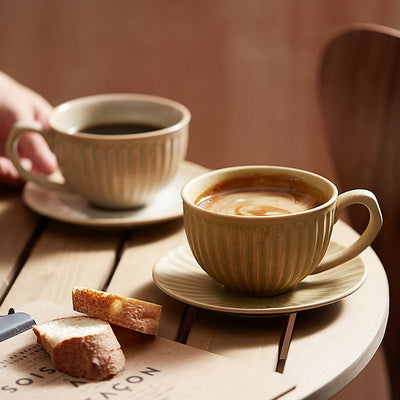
point(43, 259)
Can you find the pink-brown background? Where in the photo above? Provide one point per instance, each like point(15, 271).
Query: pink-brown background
point(246, 69)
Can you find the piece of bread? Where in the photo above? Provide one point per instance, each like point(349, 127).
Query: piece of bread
point(83, 347)
point(138, 315)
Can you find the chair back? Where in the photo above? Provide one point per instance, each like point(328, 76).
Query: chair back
point(360, 98)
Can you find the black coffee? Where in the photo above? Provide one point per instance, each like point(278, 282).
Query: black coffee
point(120, 129)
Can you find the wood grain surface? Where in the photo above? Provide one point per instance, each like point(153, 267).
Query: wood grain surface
point(63, 256)
point(360, 96)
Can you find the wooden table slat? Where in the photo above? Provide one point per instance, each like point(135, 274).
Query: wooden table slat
point(251, 340)
point(64, 256)
point(17, 225)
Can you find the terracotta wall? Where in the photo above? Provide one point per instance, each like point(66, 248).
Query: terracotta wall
point(246, 69)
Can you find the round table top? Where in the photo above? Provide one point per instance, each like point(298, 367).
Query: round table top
point(330, 344)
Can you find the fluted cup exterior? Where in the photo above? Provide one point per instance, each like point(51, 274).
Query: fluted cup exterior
point(258, 258)
point(120, 173)
point(259, 255)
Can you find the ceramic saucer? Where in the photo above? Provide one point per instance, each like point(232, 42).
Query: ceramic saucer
point(72, 208)
point(179, 275)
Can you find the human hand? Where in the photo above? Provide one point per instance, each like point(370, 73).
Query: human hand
point(18, 102)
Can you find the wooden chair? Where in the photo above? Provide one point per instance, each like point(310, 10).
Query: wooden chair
point(360, 97)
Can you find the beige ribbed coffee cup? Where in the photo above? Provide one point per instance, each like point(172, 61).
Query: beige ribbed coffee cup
point(270, 255)
point(115, 171)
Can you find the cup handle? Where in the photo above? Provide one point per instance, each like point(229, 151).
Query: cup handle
point(367, 199)
point(19, 129)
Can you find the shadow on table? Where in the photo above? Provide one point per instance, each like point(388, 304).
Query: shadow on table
point(315, 320)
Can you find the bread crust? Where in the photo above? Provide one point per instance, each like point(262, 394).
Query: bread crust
point(95, 356)
point(127, 312)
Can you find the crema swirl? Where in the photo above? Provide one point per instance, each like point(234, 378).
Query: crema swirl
point(258, 202)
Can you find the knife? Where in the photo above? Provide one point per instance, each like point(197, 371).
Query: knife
point(14, 323)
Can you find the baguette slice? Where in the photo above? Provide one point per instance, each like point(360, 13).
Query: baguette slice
point(83, 347)
point(138, 315)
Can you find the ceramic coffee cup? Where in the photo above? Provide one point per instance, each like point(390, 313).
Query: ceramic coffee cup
point(99, 156)
point(260, 230)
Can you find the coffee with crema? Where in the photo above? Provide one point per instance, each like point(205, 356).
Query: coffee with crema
point(280, 231)
point(259, 196)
